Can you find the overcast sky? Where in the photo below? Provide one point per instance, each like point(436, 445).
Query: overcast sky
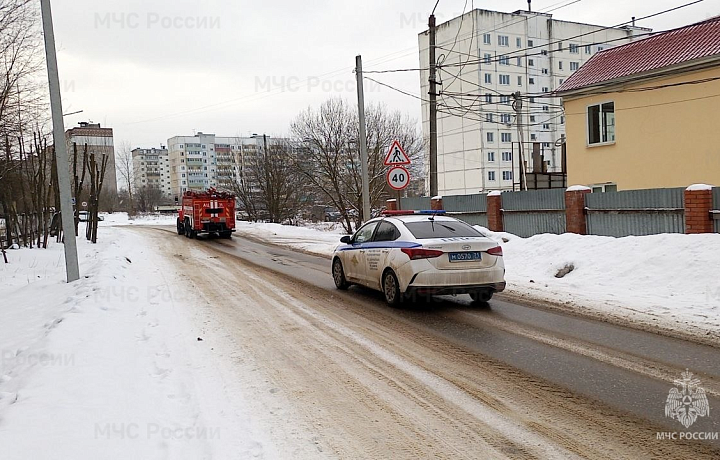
point(156, 69)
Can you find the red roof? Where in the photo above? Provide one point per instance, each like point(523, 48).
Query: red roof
point(665, 49)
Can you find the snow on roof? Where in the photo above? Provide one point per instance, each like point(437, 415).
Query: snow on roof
point(689, 43)
point(495, 193)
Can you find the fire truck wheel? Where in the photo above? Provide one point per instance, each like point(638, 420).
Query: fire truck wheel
point(189, 232)
point(180, 227)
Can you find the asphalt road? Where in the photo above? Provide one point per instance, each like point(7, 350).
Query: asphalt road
point(585, 388)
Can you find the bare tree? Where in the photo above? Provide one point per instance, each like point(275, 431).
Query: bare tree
point(331, 133)
point(124, 165)
point(147, 197)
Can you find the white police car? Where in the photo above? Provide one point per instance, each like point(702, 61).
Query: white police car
point(419, 253)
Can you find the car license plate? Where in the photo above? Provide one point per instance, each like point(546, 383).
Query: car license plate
point(465, 256)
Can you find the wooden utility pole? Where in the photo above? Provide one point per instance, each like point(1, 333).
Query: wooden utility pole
point(517, 105)
point(433, 108)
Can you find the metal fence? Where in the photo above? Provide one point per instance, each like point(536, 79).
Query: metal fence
point(716, 208)
point(415, 202)
point(636, 212)
point(534, 211)
point(469, 208)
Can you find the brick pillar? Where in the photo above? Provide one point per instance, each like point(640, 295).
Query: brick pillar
point(494, 212)
point(391, 205)
point(575, 209)
point(436, 203)
point(698, 204)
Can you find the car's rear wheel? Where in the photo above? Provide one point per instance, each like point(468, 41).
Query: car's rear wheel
point(391, 289)
point(339, 275)
point(483, 295)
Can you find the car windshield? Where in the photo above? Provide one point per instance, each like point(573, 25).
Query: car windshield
point(441, 229)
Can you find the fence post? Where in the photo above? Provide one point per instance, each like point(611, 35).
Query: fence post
point(698, 204)
point(494, 212)
point(436, 203)
point(576, 221)
point(391, 205)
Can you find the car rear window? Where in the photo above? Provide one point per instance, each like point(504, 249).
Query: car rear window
point(441, 229)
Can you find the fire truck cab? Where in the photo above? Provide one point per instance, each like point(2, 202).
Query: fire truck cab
point(206, 212)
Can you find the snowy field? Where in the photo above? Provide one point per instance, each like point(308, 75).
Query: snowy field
point(111, 366)
point(670, 280)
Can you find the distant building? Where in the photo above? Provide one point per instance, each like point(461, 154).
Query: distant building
point(204, 160)
point(99, 141)
point(485, 57)
point(151, 168)
point(645, 114)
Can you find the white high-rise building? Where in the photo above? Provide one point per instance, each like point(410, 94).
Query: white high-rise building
point(485, 57)
point(203, 160)
point(151, 168)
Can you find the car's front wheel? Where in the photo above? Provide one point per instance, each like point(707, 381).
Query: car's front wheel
point(339, 275)
point(391, 289)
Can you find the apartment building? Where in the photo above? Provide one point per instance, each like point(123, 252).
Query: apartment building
point(100, 142)
point(151, 168)
point(485, 57)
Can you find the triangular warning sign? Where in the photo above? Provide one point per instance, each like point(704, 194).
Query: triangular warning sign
point(396, 155)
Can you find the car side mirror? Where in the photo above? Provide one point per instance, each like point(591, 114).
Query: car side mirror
point(345, 239)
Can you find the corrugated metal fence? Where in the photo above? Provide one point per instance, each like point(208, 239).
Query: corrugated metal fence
point(415, 202)
point(470, 208)
point(532, 212)
point(716, 208)
point(635, 212)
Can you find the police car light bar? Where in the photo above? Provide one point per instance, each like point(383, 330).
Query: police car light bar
point(409, 213)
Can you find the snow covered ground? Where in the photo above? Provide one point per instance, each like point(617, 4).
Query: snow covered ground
point(111, 366)
point(670, 279)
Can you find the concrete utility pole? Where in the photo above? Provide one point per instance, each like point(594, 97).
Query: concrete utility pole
point(367, 213)
point(517, 105)
point(433, 109)
point(66, 206)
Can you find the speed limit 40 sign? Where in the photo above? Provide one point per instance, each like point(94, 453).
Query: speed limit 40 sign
point(398, 177)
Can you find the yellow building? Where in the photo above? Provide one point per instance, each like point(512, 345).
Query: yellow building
point(647, 114)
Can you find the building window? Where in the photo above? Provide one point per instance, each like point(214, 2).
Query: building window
point(518, 42)
point(490, 137)
point(601, 123)
point(519, 81)
point(546, 108)
point(574, 48)
point(505, 118)
point(544, 52)
point(574, 65)
point(531, 81)
point(489, 117)
point(504, 99)
point(530, 43)
point(545, 71)
point(545, 89)
point(588, 49)
point(504, 60)
point(507, 175)
point(488, 98)
point(491, 176)
point(532, 118)
point(533, 137)
point(600, 48)
point(488, 78)
point(506, 137)
point(546, 125)
point(562, 80)
point(546, 144)
point(507, 156)
point(531, 62)
point(559, 46)
point(504, 79)
point(488, 57)
point(486, 39)
point(560, 65)
point(562, 120)
point(491, 156)
point(518, 61)
point(503, 40)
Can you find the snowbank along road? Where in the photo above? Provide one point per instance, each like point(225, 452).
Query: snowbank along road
point(345, 376)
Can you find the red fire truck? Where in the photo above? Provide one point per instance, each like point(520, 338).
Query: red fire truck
point(207, 212)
